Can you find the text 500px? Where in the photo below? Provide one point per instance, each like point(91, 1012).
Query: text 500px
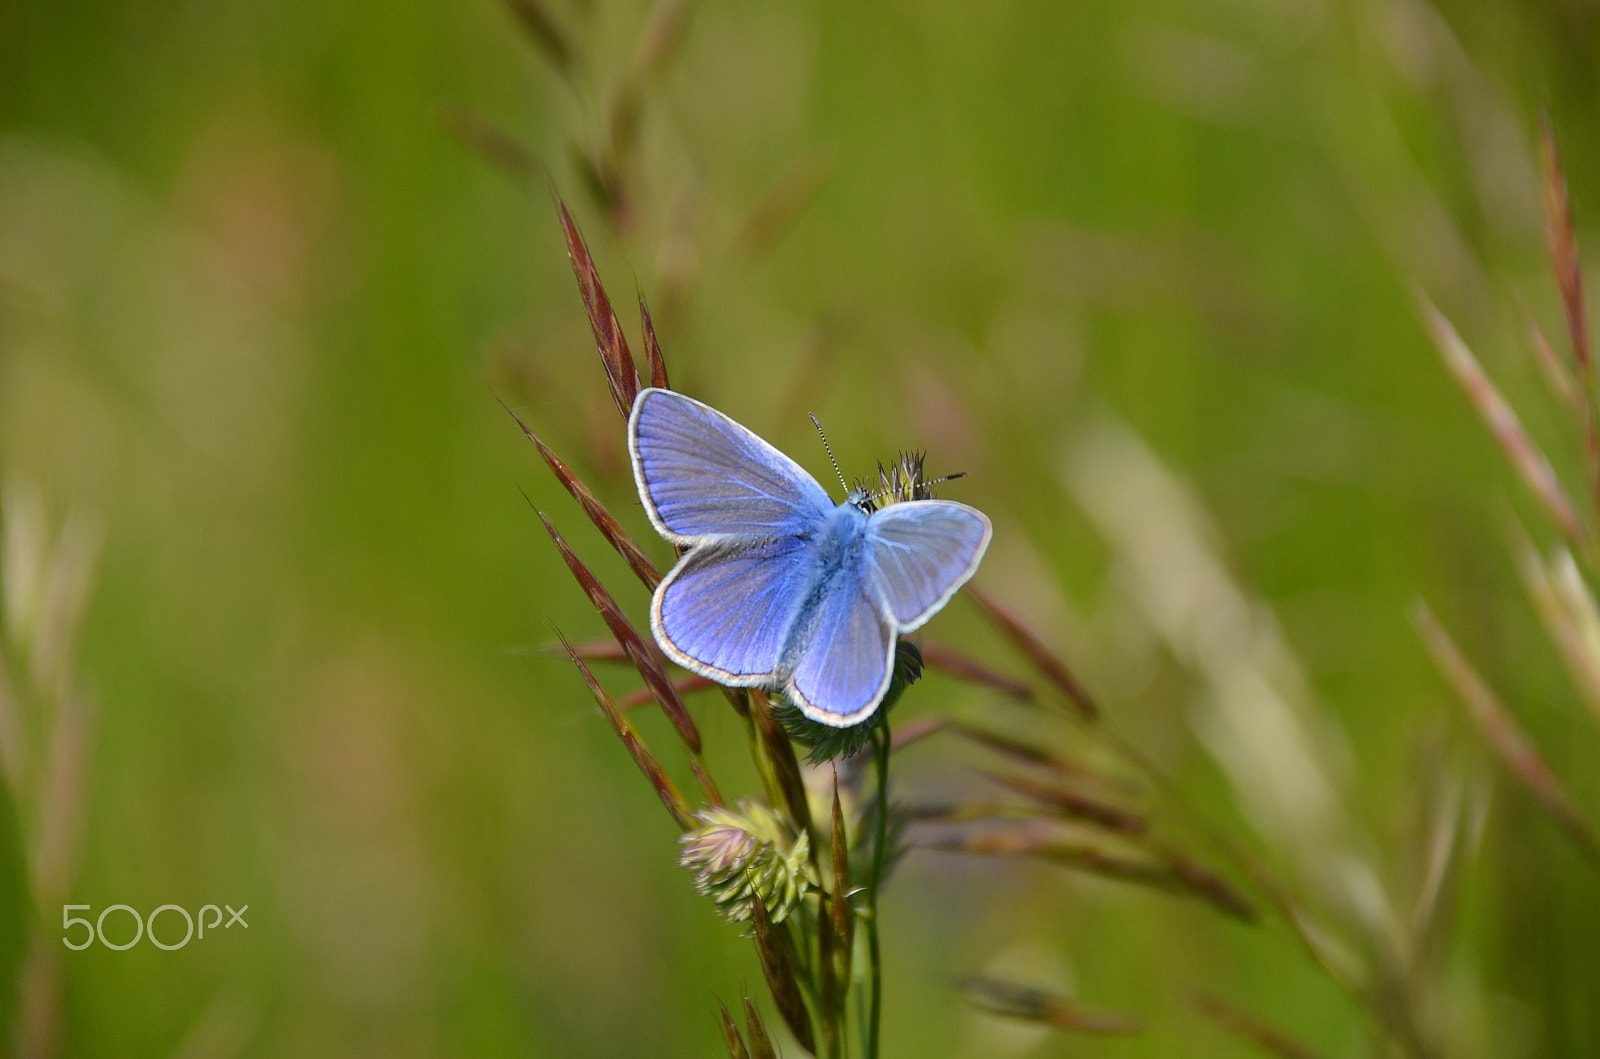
point(143, 927)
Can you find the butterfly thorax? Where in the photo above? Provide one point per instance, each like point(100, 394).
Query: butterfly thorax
point(838, 541)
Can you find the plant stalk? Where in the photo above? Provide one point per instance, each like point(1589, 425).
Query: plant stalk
point(881, 841)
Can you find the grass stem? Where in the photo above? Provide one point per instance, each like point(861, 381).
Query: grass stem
point(880, 844)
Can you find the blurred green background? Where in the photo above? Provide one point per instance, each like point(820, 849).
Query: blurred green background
point(254, 295)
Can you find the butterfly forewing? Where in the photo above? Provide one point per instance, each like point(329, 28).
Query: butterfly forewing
point(920, 552)
point(701, 475)
point(845, 665)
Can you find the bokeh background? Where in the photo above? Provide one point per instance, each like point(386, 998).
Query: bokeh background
point(274, 607)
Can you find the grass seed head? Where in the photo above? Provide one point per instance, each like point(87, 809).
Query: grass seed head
point(748, 852)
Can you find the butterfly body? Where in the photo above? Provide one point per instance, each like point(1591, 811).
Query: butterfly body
point(780, 586)
point(834, 553)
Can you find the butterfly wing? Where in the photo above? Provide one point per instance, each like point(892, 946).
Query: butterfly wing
point(726, 611)
point(846, 664)
point(919, 553)
point(701, 475)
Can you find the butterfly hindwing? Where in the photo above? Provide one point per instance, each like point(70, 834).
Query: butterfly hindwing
point(845, 666)
point(702, 475)
point(920, 552)
point(727, 612)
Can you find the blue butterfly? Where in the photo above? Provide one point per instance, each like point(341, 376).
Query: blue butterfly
point(781, 587)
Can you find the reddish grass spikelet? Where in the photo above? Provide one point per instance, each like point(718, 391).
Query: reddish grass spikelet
point(644, 658)
point(1556, 373)
point(756, 1031)
point(784, 201)
point(841, 915)
point(1439, 844)
point(609, 339)
point(544, 32)
point(1072, 804)
point(652, 348)
point(597, 651)
point(916, 731)
point(1016, 749)
point(1097, 856)
point(1028, 1004)
point(622, 119)
point(830, 988)
point(730, 1034)
point(1026, 753)
point(962, 812)
point(780, 966)
point(648, 763)
point(1498, 416)
point(639, 651)
point(834, 918)
point(702, 776)
point(1045, 660)
point(608, 526)
point(780, 755)
point(1505, 738)
point(1257, 1031)
point(1563, 239)
point(962, 667)
point(60, 791)
point(659, 45)
point(662, 38)
point(488, 141)
point(1201, 880)
point(603, 181)
point(15, 753)
point(683, 686)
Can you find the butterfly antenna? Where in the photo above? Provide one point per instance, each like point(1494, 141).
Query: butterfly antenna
point(829, 449)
